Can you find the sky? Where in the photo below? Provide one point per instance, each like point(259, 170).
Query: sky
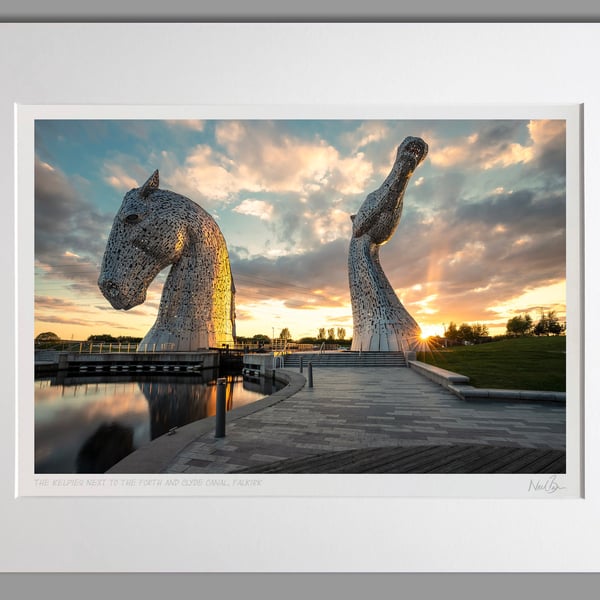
point(482, 236)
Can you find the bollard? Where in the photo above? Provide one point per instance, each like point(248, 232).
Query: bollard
point(300, 364)
point(221, 408)
point(310, 377)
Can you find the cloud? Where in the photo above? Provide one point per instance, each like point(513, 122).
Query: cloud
point(211, 175)
point(230, 133)
point(367, 133)
point(68, 271)
point(316, 277)
point(255, 208)
point(124, 172)
point(275, 160)
point(307, 185)
point(331, 225)
point(450, 156)
point(297, 304)
point(473, 255)
point(547, 132)
point(119, 180)
point(549, 138)
point(191, 124)
point(71, 320)
point(53, 303)
point(67, 225)
point(524, 211)
point(512, 154)
point(493, 145)
point(490, 145)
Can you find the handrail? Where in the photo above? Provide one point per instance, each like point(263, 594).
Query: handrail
point(406, 350)
point(89, 347)
point(405, 347)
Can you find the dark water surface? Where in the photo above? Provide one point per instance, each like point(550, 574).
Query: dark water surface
point(86, 424)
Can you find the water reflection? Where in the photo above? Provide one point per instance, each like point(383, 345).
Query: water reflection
point(85, 424)
point(106, 447)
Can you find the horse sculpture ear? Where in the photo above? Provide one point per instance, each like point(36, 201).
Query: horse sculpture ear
point(151, 184)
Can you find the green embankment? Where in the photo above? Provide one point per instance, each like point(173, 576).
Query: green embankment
point(530, 363)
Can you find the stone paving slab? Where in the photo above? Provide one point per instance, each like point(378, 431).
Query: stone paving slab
point(349, 409)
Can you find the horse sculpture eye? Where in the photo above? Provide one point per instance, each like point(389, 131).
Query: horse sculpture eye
point(132, 218)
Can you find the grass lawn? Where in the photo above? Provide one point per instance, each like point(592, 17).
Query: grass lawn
point(531, 363)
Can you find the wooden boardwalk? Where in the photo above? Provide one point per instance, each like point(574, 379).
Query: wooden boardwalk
point(424, 459)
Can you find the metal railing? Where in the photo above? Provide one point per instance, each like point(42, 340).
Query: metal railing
point(106, 347)
point(88, 347)
point(409, 353)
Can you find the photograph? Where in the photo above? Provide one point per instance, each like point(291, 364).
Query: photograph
point(301, 296)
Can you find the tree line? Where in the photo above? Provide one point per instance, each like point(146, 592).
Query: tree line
point(466, 333)
point(332, 334)
point(522, 325)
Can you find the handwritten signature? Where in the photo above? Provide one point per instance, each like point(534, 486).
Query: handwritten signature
point(550, 485)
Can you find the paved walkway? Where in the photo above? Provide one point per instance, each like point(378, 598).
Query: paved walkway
point(368, 408)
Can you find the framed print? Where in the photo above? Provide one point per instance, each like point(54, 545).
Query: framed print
point(258, 171)
point(285, 167)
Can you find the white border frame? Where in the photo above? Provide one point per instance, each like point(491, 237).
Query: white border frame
point(314, 64)
point(429, 486)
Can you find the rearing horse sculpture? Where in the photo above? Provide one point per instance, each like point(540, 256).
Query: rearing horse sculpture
point(155, 228)
point(381, 323)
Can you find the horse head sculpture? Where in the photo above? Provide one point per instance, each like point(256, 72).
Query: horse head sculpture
point(381, 323)
point(156, 228)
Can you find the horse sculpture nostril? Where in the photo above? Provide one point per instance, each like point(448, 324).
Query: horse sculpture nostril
point(109, 287)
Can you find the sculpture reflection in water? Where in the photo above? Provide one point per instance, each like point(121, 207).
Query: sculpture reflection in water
point(381, 323)
point(172, 404)
point(109, 444)
point(113, 416)
point(155, 228)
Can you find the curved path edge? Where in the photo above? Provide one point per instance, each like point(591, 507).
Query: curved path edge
point(155, 456)
point(459, 385)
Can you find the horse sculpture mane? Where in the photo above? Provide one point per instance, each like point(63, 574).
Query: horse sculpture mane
point(381, 323)
point(155, 228)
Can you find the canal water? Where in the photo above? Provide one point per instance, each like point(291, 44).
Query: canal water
point(86, 424)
